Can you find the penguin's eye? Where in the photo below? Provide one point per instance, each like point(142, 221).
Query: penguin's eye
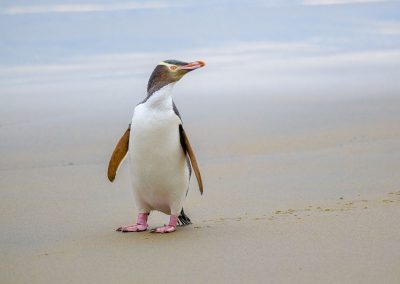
point(172, 68)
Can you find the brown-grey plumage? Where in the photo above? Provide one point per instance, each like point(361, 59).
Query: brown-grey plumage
point(163, 76)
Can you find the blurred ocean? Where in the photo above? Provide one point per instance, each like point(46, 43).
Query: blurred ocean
point(71, 73)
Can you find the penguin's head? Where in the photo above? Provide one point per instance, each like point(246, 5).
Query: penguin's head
point(170, 71)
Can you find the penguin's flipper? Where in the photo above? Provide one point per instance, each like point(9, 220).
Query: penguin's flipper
point(118, 155)
point(188, 149)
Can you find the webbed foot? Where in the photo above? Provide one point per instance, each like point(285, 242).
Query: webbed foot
point(171, 227)
point(133, 228)
point(164, 229)
point(140, 226)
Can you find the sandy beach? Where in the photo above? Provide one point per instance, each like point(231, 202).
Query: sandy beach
point(294, 119)
point(310, 204)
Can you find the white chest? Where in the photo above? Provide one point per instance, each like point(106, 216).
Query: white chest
point(156, 155)
point(159, 173)
point(154, 129)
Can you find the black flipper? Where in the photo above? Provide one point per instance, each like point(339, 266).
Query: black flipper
point(183, 219)
point(187, 149)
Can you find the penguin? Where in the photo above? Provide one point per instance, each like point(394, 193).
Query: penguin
point(160, 155)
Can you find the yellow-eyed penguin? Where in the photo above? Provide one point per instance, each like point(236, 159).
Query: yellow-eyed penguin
point(160, 154)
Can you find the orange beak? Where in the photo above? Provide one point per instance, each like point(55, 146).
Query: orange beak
point(193, 65)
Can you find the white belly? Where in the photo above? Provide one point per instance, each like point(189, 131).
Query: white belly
point(160, 176)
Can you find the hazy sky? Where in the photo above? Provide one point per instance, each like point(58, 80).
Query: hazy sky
point(266, 45)
point(68, 68)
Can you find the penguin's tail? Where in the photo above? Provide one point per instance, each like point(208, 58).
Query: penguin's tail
point(183, 219)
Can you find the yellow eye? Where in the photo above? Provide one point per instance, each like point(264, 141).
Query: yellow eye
point(173, 67)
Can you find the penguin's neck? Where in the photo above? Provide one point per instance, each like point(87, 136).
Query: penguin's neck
point(161, 99)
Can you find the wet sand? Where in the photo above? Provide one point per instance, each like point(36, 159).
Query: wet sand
point(310, 199)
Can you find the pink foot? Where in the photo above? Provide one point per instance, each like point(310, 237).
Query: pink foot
point(171, 227)
point(140, 226)
point(133, 228)
point(165, 229)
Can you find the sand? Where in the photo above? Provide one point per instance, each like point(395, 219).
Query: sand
point(315, 199)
